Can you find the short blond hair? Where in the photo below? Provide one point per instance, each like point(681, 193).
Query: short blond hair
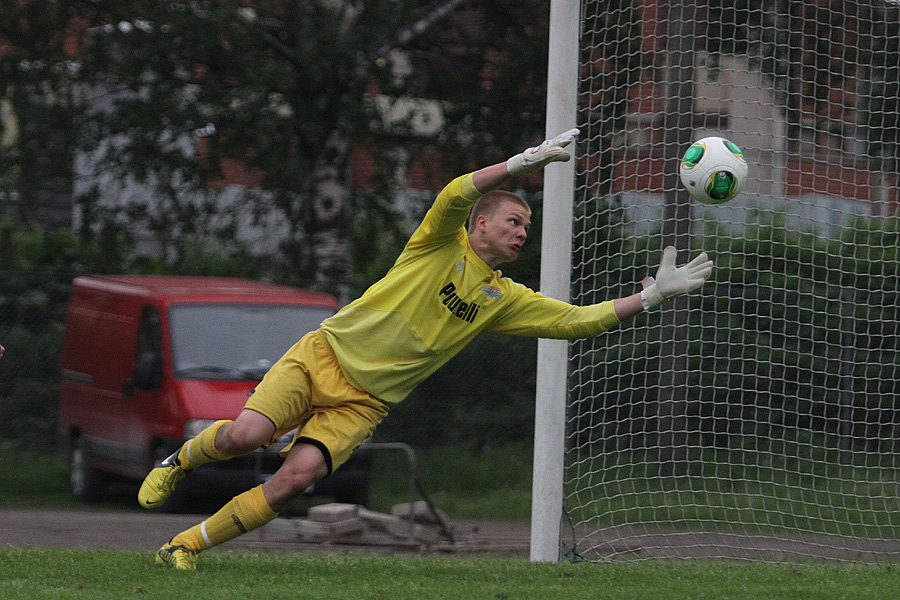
point(488, 204)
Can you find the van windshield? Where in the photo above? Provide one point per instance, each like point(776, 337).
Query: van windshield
point(235, 341)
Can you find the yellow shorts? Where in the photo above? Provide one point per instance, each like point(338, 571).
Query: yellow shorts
point(306, 389)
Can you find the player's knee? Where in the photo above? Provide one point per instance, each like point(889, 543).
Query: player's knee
point(235, 439)
point(299, 479)
point(288, 482)
point(304, 466)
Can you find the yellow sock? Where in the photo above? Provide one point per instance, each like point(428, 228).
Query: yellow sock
point(202, 449)
point(243, 513)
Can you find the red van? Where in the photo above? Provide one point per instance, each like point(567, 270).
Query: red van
point(149, 361)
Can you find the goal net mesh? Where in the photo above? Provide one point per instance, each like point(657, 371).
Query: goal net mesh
point(756, 418)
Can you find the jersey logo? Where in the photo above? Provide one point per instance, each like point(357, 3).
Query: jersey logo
point(459, 309)
point(491, 292)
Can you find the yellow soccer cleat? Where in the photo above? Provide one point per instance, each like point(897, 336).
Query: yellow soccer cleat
point(176, 556)
point(160, 482)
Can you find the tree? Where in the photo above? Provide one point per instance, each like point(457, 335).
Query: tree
point(170, 95)
point(36, 110)
point(180, 91)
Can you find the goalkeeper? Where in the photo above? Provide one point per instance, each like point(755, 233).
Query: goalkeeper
point(337, 383)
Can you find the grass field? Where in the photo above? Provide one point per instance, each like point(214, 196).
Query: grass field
point(31, 574)
point(465, 487)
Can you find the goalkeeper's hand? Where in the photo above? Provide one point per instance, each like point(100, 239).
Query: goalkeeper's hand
point(673, 281)
point(540, 156)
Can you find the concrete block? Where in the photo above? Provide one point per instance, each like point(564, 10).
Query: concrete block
point(333, 512)
point(420, 512)
point(321, 530)
point(404, 530)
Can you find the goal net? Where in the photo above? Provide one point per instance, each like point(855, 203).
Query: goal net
point(758, 418)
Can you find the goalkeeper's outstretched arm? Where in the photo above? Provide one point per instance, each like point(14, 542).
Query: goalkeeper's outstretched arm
point(670, 281)
point(532, 159)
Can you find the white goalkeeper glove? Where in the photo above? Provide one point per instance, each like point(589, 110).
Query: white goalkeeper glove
point(540, 156)
point(673, 281)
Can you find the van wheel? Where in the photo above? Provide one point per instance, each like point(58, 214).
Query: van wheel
point(85, 481)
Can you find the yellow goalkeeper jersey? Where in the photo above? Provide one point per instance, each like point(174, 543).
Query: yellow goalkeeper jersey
point(437, 297)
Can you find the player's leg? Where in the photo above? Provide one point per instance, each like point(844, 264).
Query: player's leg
point(332, 419)
point(303, 466)
point(322, 444)
point(274, 408)
point(220, 441)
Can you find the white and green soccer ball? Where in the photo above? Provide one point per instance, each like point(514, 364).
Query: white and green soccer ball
point(713, 170)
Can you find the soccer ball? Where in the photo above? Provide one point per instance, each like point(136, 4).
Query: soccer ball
point(713, 170)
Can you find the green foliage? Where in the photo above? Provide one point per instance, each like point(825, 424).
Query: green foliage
point(809, 343)
point(36, 162)
point(291, 92)
point(161, 101)
point(34, 290)
point(831, 370)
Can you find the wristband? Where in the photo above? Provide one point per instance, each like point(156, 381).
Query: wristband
point(651, 297)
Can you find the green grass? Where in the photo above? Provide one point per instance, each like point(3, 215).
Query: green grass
point(788, 487)
point(490, 484)
point(30, 574)
point(32, 479)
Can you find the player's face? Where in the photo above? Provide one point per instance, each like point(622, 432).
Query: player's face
point(506, 230)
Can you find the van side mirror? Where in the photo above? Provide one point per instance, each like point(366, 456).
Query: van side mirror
point(148, 371)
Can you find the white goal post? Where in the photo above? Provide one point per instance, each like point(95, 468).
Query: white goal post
point(556, 250)
point(758, 418)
